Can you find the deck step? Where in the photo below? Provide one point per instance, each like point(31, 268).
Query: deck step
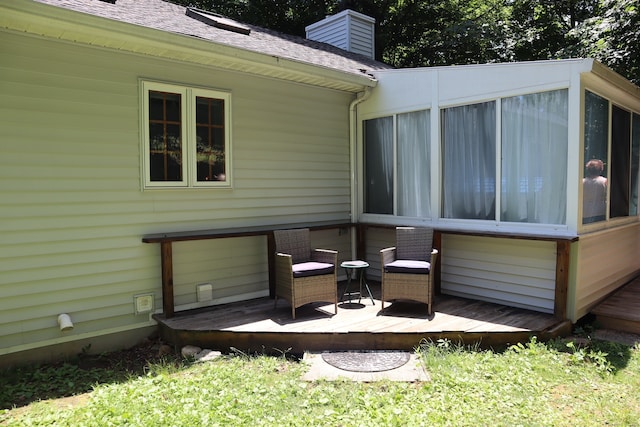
point(621, 311)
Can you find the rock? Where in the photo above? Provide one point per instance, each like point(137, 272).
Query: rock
point(164, 349)
point(207, 355)
point(190, 351)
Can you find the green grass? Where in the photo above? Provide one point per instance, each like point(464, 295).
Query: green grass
point(532, 384)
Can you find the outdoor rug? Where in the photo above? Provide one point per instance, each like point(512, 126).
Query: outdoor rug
point(366, 361)
point(367, 366)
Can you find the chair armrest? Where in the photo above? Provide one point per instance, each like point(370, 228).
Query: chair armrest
point(328, 256)
point(388, 255)
point(284, 259)
point(434, 257)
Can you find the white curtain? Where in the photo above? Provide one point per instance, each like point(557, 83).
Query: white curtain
point(414, 181)
point(469, 161)
point(534, 158)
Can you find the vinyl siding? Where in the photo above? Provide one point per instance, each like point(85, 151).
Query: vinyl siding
point(513, 272)
point(73, 212)
point(605, 261)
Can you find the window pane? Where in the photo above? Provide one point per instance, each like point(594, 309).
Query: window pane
point(414, 180)
point(165, 136)
point(620, 165)
point(378, 165)
point(210, 143)
point(534, 158)
point(635, 165)
point(594, 184)
point(469, 161)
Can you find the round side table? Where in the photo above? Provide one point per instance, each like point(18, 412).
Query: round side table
point(356, 270)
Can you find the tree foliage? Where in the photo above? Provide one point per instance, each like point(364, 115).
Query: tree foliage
point(418, 33)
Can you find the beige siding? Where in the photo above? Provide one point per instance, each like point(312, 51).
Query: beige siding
point(604, 261)
point(73, 213)
point(513, 272)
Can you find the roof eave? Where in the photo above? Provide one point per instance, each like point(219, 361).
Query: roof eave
point(63, 24)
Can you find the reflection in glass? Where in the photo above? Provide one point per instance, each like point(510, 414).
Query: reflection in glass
point(210, 143)
point(378, 165)
point(165, 136)
point(596, 130)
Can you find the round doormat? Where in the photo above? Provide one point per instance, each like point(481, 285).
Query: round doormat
point(366, 361)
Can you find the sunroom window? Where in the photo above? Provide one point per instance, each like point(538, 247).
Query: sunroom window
point(534, 158)
point(186, 136)
point(469, 161)
point(396, 172)
point(610, 184)
point(533, 152)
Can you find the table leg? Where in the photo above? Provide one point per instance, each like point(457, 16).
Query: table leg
point(346, 289)
point(366, 285)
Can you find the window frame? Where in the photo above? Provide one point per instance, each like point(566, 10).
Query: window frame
point(634, 115)
point(395, 141)
point(188, 135)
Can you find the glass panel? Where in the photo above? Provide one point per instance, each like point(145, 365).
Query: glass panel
point(594, 183)
point(620, 165)
point(534, 158)
point(635, 165)
point(378, 166)
point(210, 143)
point(165, 136)
point(414, 179)
point(469, 161)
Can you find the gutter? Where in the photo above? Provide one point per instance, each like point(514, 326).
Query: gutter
point(353, 143)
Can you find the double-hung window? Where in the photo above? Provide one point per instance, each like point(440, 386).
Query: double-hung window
point(186, 136)
point(396, 170)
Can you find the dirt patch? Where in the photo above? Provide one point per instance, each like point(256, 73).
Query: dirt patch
point(620, 337)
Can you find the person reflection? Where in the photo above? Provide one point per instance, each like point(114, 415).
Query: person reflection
point(594, 193)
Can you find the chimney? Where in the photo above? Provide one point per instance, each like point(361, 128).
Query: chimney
point(348, 30)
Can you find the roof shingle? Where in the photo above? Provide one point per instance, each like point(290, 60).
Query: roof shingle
point(172, 18)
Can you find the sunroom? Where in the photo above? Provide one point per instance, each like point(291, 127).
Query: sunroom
point(493, 158)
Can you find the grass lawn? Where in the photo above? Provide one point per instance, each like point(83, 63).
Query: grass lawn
point(558, 383)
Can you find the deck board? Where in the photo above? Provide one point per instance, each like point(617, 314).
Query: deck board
point(356, 325)
point(621, 311)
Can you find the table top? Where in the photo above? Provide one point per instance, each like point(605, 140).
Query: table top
point(354, 264)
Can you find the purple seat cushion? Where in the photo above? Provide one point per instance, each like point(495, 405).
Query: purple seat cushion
point(306, 269)
point(408, 266)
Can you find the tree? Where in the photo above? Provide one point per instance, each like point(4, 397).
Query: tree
point(418, 33)
point(612, 37)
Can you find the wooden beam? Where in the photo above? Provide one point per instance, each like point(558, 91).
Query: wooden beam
point(563, 259)
point(166, 260)
point(437, 244)
point(271, 261)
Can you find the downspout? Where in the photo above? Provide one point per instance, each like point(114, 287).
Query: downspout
point(353, 142)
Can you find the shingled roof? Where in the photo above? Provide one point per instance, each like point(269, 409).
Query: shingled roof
point(171, 18)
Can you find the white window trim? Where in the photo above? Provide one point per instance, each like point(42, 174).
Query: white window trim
point(188, 135)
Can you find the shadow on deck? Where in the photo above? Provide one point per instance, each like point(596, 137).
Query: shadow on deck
point(255, 326)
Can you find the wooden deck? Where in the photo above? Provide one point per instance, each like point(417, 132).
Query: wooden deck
point(621, 311)
point(255, 326)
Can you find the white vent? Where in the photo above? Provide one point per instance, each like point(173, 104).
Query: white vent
point(204, 292)
point(348, 30)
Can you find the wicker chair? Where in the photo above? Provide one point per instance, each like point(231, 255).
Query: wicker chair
point(406, 268)
point(304, 275)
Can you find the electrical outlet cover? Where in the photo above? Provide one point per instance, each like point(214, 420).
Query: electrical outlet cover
point(143, 303)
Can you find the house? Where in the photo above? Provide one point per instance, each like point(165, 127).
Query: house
point(136, 117)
